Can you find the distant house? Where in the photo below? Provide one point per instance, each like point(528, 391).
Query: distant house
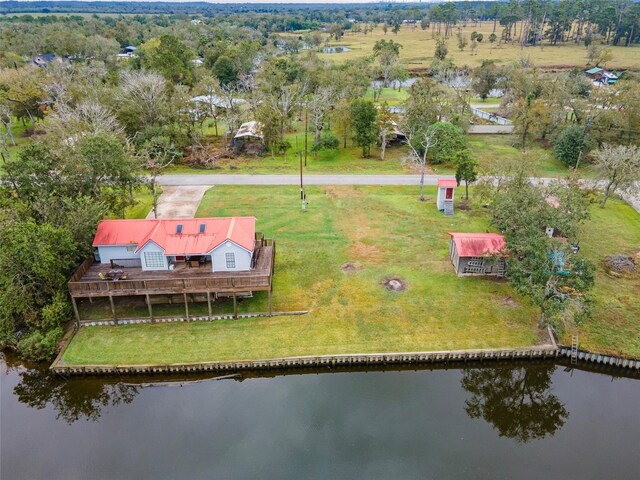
point(475, 254)
point(249, 133)
point(44, 59)
point(444, 201)
point(594, 73)
point(602, 76)
point(216, 101)
point(222, 244)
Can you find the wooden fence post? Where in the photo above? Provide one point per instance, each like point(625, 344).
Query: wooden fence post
point(75, 310)
point(150, 308)
point(186, 306)
point(235, 306)
point(209, 303)
point(113, 309)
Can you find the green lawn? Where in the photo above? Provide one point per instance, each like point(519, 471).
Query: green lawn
point(615, 326)
point(384, 232)
point(392, 96)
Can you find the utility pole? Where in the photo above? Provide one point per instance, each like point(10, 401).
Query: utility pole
point(303, 197)
point(306, 123)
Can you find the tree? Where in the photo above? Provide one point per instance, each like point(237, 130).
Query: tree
point(441, 48)
point(485, 78)
point(449, 140)
point(546, 269)
point(386, 126)
point(35, 262)
point(463, 41)
point(225, 70)
point(387, 52)
point(619, 167)
point(517, 401)
point(142, 100)
point(569, 144)
point(169, 57)
point(466, 169)
point(363, 115)
point(420, 138)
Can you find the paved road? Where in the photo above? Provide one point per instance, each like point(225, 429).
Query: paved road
point(489, 129)
point(176, 180)
point(206, 180)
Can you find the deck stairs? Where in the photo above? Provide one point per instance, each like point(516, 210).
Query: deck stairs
point(501, 268)
point(574, 349)
point(448, 208)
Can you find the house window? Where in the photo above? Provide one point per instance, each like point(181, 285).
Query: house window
point(154, 259)
point(230, 257)
point(131, 248)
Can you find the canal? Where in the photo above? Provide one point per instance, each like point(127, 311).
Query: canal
point(524, 421)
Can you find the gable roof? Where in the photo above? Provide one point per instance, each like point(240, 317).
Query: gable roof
point(249, 129)
point(594, 70)
point(164, 233)
point(478, 244)
point(447, 183)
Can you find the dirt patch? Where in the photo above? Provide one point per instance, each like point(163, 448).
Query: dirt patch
point(510, 302)
point(395, 284)
point(463, 206)
point(365, 252)
point(350, 267)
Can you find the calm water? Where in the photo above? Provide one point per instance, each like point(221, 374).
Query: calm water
point(511, 422)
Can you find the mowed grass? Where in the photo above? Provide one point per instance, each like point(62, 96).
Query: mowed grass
point(418, 48)
point(385, 232)
point(615, 324)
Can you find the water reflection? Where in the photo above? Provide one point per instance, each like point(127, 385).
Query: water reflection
point(72, 399)
point(517, 401)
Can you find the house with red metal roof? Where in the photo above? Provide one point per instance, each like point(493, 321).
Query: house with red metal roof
point(477, 254)
point(223, 244)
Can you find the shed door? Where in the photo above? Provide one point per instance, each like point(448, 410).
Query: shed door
point(448, 195)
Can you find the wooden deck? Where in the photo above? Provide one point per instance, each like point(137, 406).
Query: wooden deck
point(86, 281)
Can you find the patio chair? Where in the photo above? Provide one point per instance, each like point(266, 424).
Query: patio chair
point(102, 276)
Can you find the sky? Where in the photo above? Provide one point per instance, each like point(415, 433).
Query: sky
point(271, 1)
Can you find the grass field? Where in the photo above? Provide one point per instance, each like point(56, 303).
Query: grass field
point(384, 232)
point(418, 47)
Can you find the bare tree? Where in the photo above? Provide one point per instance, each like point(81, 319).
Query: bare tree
point(419, 140)
point(386, 126)
point(319, 104)
point(5, 120)
point(619, 167)
point(144, 94)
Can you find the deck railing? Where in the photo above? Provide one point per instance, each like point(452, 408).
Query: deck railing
point(253, 280)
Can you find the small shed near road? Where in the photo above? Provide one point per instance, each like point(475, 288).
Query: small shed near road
point(444, 201)
point(474, 254)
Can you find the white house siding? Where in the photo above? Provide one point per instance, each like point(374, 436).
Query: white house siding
point(116, 252)
point(243, 257)
point(440, 198)
point(152, 247)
